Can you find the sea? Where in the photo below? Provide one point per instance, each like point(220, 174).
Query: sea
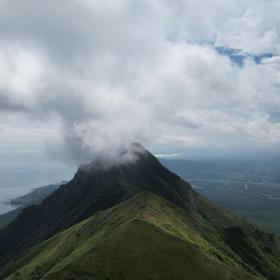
point(8, 193)
point(17, 182)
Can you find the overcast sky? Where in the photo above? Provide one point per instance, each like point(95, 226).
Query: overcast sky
point(81, 78)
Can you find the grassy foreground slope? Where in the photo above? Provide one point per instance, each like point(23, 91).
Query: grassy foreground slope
point(148, 237)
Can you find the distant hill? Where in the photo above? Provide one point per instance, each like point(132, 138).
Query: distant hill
point(135, 220)
point(36, 196)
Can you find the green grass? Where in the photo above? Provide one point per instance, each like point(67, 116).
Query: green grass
point(147, 237)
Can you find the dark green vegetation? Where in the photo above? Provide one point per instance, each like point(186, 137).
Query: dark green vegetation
point(152, 225)
point(34, 197)
point(145, 237)
point(6, 218)
point(249, 188)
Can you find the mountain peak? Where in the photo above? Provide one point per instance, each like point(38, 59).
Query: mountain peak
point(95, 187)
point(136, 170)
point(162, 200)
point(123, 156)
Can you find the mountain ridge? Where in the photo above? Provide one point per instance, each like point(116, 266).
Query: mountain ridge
point(132, 220)
point(92, 189)
point(188, 216)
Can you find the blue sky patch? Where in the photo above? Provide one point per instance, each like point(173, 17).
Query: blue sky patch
point(238, 57)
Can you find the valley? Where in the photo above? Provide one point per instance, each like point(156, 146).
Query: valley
point(249, 189)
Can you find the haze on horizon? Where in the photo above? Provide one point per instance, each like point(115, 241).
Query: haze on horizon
point(80, 79)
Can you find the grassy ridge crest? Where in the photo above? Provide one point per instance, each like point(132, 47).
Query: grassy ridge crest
point(145, 237)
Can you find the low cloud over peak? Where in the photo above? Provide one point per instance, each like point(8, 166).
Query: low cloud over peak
point(109, 74)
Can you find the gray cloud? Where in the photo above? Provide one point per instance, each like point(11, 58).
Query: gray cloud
point(7, 105)
point(113, 73)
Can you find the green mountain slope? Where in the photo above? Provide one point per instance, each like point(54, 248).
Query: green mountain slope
point(92, 189)
point(148, 237)
point(133, 220)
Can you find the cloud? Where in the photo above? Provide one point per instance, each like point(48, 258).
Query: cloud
point(255, 126)
point(255, 30)
point(182, 140)
point(17, 140)
point(125, 71)
point(170, 155)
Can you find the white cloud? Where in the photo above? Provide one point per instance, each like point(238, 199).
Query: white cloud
point(170, 155)
point(19, 136)
point(254, 30)
point(182, 141)
point(20, 70)
point(121, 71)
